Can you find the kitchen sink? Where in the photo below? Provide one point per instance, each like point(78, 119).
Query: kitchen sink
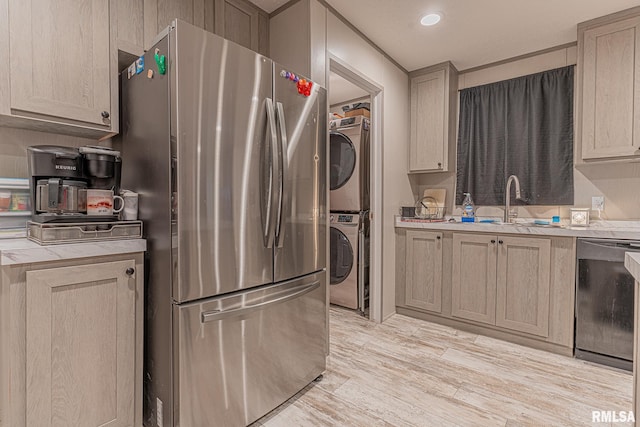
point(521, 224)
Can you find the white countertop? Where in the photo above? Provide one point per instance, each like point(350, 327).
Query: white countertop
point(597, 229)
point(632, 263)
point(23, 251)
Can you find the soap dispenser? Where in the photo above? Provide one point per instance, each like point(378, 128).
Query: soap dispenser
point(468, 209)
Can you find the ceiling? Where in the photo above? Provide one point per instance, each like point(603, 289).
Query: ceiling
point(343, 90)
point(471, 32)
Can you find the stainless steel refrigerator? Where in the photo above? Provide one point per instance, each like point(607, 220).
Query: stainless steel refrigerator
point(228, 153)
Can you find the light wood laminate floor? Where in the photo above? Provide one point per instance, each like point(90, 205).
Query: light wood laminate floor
point(408, 372)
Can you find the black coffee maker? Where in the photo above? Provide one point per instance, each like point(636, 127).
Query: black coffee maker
point(60, 177)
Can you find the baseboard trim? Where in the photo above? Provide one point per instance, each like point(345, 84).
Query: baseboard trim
point(493, 333)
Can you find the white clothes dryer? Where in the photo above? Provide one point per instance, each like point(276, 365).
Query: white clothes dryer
point(348, 264)
point(349, 164)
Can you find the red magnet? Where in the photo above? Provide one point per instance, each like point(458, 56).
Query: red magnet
point(304, 86)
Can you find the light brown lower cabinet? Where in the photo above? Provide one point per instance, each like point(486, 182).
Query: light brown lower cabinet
point(515, 287)
point(473, 277)
point(502, 281)
point(74, 343)
point(523, 280)
point(424, 270)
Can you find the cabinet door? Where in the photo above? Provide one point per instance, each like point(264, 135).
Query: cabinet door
point(158, 14)
point(428, 122)
point(80, 338)
point(523, 279)
point(424, 270)
point(473, 287)
point(242, 23)
point(610, 90)
point(60, 59)
point(129, 26)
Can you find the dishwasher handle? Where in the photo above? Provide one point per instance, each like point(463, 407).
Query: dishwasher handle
point(213, 315)
point(605, 250)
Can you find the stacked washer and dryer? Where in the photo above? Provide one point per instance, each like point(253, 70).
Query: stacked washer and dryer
point(349, 219)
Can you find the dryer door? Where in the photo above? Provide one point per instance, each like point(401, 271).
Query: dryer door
point(341, 256)
point(342, 160)
point(343, 274)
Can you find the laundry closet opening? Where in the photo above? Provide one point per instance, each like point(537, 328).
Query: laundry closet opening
point(351, 194)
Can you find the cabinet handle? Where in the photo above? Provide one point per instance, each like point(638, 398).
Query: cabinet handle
point(129, 272)
point(500, 241)
point(493, 241)
point(105, 114)
point(439, 165)
point(438, 237)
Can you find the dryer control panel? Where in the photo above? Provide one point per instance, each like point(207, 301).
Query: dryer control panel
point(349, 122)
point(343, 218)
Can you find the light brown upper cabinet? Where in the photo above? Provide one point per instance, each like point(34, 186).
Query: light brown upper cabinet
point(158, 14)
point(138, 22)
point(433, 118)
point(128, 25)
point(608, 107)
point(57, 66)
point(243, 23)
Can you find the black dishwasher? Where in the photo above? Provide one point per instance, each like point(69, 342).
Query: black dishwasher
point(604, 302)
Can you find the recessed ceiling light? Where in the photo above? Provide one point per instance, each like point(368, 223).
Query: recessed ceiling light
point(430, 19)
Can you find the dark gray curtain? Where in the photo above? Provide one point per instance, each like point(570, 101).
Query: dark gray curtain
point(523, 127)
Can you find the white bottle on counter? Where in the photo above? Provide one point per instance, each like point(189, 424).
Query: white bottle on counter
point(468, 209)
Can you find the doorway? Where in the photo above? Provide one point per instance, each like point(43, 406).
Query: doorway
point(349, 87)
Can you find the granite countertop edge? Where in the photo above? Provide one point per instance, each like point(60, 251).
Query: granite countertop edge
point(24, 251)
point(600, 229)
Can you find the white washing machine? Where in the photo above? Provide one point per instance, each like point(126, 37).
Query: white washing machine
point(349, 164)
point(348, 263)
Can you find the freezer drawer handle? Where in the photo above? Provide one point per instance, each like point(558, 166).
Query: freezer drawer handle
point(213, 315)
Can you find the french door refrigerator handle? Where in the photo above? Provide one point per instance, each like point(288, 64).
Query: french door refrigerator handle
point(272, 141)
point(283, 208)
point(213, 315)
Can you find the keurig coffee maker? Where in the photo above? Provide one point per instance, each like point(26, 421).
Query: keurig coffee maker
point(102, 167)
point(60, 177)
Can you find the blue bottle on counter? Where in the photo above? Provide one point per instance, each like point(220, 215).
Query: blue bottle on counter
point(468, 209)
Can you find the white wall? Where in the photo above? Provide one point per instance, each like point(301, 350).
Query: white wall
point(14, 143)
point(351, 49)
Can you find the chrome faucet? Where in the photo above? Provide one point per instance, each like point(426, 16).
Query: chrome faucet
point(508, 217)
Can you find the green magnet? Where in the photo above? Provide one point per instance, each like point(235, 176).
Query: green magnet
point(161, 62)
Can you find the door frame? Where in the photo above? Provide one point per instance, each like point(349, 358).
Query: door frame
point(376, 92)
